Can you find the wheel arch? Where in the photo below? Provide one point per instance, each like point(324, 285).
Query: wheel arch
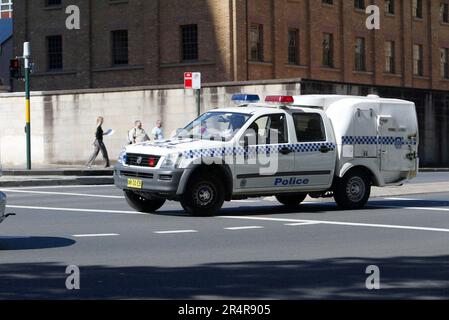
point(372, 172)
point(223, 171)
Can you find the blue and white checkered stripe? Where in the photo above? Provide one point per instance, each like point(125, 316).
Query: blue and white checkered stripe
point(254, 150)
point(369, 140)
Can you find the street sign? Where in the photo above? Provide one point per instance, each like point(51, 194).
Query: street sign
point(192, 80)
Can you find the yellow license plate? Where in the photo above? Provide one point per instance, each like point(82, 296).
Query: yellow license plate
point(135, 183)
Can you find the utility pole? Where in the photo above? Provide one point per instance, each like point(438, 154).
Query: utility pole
point(26, 57)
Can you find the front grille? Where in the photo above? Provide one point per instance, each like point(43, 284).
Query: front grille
point(136, 174)
point(142, 160)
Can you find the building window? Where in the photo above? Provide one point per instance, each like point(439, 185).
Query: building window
point(444, 12)
point(444, 60)
point(328, 1)
point(5, 9)
point(50, 3)
point(293, 46)
point(418, 67)
point(328, 50)
point(256, 42)
point(389, 6)
point(417, 7)
point(189, 42)
point(360, 54)
point(359, 4)
point(390, 63)
point(119, 47)
point(54, 53)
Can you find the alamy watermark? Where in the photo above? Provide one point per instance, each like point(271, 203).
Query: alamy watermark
point(72, 282)
point(373, 280)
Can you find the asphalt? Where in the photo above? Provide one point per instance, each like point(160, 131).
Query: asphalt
point(254, 249)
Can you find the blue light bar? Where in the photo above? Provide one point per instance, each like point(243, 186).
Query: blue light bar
point(242, 97)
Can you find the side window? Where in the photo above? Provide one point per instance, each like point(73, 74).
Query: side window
point(270, 129)
point(309, 127)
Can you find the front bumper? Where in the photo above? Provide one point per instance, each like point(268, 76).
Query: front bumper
point(157, 181)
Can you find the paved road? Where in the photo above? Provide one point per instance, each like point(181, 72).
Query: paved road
point(255, 249)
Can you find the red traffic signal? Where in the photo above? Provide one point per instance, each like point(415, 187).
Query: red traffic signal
point(15, 68)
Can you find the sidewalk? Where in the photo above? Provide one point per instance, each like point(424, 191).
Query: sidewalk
point(55, 176)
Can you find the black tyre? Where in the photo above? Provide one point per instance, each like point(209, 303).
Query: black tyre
point(291, 200)
point(204, 196)
point(143, 204)
point(353, 190)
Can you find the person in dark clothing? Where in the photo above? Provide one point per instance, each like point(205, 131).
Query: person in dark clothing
point(99, 145)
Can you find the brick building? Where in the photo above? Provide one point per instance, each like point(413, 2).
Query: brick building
point(323, 42)
point(141, 42)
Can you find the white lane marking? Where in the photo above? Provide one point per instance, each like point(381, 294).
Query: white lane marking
point(409, 208)
point(176, 231)
point(74, 210)
point(402, 199)
point(301, 224)
point(65, 194)
point(370, 225)
point(61, 187)
point(244, 228)
point(95, 235)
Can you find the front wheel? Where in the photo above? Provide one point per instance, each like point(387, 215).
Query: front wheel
point(291, 200)
point(143, 204)
point(204, 196)
point(353, 190)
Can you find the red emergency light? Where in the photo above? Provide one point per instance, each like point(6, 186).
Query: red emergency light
point(152, 162)
point(280, 99)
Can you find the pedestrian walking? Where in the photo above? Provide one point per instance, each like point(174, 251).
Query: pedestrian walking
point(157, 132)
point(99, 145)
point(137, 134)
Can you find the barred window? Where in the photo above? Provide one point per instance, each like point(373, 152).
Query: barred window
point(417, 8)
point(328, 50)
point(54, 53)
point(389, 6)
point(444, 61)
point(189, 42)
point(359, 4)
point(418, 67)
point(119, 47)
point(360, 54)
point(256, 42)
point(293, 46)
point(390, 64)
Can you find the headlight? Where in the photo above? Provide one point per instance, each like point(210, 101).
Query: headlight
point(171, 161)
point(122, 157)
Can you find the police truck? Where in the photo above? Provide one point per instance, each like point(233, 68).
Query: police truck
point(289, 147)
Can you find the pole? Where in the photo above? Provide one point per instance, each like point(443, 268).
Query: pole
point(198, 101)
point(26, 56)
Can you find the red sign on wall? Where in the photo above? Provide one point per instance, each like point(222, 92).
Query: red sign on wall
point(192, 80)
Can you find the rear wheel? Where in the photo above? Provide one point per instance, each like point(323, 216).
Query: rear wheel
point(291, 200)
point(353, 190)
point(143, 204)
point(204, 196)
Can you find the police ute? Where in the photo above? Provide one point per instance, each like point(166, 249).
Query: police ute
point(287, 147)
point(3, 214)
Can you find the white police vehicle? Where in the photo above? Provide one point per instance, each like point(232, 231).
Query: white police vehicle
point(288, 147)
point(3, 214)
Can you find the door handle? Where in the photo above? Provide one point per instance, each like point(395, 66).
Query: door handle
point(285, 151)
point(325, 149)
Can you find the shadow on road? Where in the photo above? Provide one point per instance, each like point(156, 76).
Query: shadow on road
point(33, 243)
point(339, 278)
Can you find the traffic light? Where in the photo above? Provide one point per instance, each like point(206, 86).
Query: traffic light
point(15, 69)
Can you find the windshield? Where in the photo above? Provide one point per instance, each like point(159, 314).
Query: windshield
point(220, 126)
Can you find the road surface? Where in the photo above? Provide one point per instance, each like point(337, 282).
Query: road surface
point(255, 249)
